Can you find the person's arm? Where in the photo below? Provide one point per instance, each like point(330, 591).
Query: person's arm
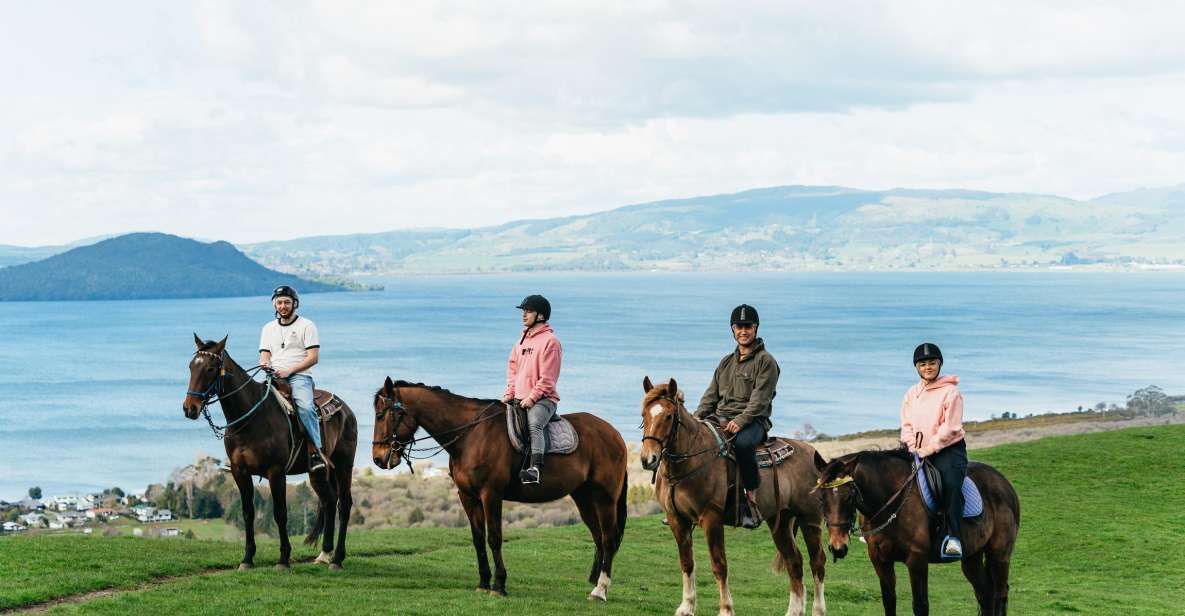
point(711, 397)
point(312, 344)
point(511, 371)
point(951, 428)
point(908, 432)
point(762, 396)
point(549, 373)
point(265, 353)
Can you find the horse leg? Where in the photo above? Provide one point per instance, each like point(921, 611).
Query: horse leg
point(606, 508)
point(247, 498)
point(276, 480)
point(326, 512)
point(812, 533)
point(477, 528)
point(345, 501)
point(588, 514)
point(783, 536)
point(682, 531)
point(888, 579)
point(976, 572)
point(998, 562)
point(714, 530)
point(492, 504)
point(919, 583)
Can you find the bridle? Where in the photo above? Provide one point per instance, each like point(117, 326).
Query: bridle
point(213, 393)
point(405, 447)
point(861, 506)
point(667, 455)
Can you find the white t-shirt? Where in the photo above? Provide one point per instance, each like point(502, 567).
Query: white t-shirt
point(289, 344)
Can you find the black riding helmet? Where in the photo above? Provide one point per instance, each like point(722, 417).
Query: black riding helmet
point(537, 303)
point(287, 291)
point(926, 350)
point(744, 315)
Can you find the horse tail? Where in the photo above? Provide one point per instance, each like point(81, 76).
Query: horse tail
point(779, 564)
point(622, 509)
point(318, 526)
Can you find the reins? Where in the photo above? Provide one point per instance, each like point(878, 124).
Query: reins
point(902, 492)
point(666, 454)
point(214, 393)
point(406, 448)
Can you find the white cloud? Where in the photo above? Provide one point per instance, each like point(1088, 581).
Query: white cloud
point(222, 118)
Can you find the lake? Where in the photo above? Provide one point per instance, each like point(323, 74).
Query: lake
point(90, 392)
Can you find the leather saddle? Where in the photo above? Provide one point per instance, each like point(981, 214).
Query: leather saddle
point(772, 452)
point(329, 408)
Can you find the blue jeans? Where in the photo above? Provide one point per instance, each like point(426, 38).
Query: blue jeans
point(302, 393)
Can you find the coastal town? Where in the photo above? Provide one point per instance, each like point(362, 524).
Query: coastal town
point(81, 512)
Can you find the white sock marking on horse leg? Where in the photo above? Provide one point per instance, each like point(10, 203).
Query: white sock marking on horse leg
point(655, 410)
point(324, 558)
point(820, 603)
point(687, 608)
point(725, 599)
point(797, 603)
point(601, 589)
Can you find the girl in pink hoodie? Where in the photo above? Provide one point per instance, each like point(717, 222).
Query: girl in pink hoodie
point(531, 375)
point(932, 428)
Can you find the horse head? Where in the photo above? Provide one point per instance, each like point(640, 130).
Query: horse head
point(661, 408)
point(838, 495)
point(394, 427)
point(205, 376)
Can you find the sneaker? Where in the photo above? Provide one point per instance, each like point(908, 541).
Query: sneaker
point(315, 462)
point(952, 548)
point(529, 476)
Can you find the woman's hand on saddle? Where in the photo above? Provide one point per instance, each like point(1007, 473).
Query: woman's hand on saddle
point(731, 427)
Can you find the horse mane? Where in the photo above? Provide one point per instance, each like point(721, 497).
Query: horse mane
point(874, 457)
point(436, 388)
point(656, 392)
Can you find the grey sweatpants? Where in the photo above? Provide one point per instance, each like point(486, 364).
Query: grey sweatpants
point(537, 418)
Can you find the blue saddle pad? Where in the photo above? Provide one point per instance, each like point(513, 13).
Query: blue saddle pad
point(972, 500)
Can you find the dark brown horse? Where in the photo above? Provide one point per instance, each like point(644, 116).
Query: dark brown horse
point(896, 525)
point(485, 467)
point(261, 441)
point(692, 487)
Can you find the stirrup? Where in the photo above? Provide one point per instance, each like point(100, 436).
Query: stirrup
point(529, 476)
point(752, 515)
point(316, 463)
point(952, 549)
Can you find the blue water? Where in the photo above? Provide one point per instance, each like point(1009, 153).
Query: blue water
point(90, 392)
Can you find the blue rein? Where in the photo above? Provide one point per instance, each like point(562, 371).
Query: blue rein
point(213, 394)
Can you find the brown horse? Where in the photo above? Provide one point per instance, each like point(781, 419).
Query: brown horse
point(896, 525)
point(261, 441)
point(484, 468)
point(692, 487)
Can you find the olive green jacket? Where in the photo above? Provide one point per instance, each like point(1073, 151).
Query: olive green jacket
point(743, 389)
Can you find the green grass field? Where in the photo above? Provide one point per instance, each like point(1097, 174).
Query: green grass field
point(1101, 533)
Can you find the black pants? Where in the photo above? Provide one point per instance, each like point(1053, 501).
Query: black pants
point(745, 448)
point(951, 462)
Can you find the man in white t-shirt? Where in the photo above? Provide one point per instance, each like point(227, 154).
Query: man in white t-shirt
point(291, 347)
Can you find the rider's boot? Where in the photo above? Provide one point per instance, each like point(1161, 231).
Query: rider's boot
point(316, 463)
point(952, 548)
point(531, 475)
point(751, 516)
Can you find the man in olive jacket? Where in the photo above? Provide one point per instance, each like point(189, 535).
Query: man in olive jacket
point(742, 391)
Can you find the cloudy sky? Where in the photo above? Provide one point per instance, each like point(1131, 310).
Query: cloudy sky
point(249, 121)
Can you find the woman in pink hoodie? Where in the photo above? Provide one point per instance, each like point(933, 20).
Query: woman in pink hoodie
point(531, 375)
point(932, 428)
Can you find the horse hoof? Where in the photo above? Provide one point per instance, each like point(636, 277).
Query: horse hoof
point(482, 591)
point(498, 593)
point(335, 567)
point(324, 558)
point(281, 567)
point(245, 566)
point(595, 596)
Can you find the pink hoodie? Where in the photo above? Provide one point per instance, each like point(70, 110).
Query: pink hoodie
point(534, 366)
point(936, 412)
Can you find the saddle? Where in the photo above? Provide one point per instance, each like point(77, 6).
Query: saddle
point(560, 437)
point(771, 453)
point(328, 406)
point(929, 481)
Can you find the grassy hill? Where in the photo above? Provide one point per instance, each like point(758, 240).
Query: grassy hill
point(1100, 534)
point(780, 228)
point(145, 266)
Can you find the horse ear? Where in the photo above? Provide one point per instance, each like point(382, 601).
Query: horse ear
point(196, 340)
point(820, 463)
point(849, 465)
point(221, 346)
point(672, 387)
point(646, 384)
point(389, 388)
